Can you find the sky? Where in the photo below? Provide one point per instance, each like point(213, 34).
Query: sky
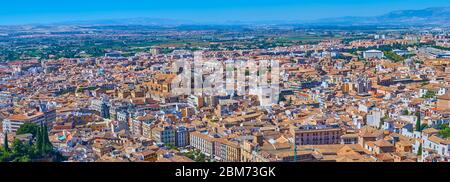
point(53, 11)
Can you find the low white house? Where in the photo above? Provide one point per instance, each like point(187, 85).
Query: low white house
point(440, 145)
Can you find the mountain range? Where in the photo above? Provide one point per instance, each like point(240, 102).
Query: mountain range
point(428, 16)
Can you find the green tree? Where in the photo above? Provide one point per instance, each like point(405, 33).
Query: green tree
point(5, 143)
point(48, 147)
point(419, 150)
point(22, 159)
point(429, 95)
point(5, 156)
point(21, 152)
point(39, 141)
point(43, 144)
point(393, 56)
point(418, 124)
point(444, 131)
point(28, 128)
point(196, 155)
point(18, 148)
point(405, 112)
point(443, 48)
point(171, 147)
point(25, 152)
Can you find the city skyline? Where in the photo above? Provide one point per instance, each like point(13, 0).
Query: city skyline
point(271, 82)
point(50, 11)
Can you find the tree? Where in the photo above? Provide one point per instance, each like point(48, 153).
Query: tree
point(419, 150)
point(5, 143)
point(43, 144)
point(429, 95)
point(5, 156)
point(21, 152)
point(25, 152)
point(393, 56)
point(22, 159)
point(443, 48)
point(18, 147)
point(196, 155)
point(48, 147)
point(171, 147)
point(405, 112)
point(28, 128)
point(444, 131)
point(39, 142)
point(418, 124)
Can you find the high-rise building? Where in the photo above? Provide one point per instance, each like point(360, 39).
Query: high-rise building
point(182, 136)
point(164, 134)
point(101, 107)
point(141, 125)
point(363, 85)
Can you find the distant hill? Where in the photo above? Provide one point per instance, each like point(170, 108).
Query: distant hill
point(429, 16)
point(128, 21)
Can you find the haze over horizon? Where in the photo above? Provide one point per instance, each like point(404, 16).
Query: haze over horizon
point(53, 11)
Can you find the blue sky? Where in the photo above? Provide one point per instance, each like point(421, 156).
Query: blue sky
point(48, 11)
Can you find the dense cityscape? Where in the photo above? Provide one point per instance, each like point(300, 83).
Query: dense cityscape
point(85, 93)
